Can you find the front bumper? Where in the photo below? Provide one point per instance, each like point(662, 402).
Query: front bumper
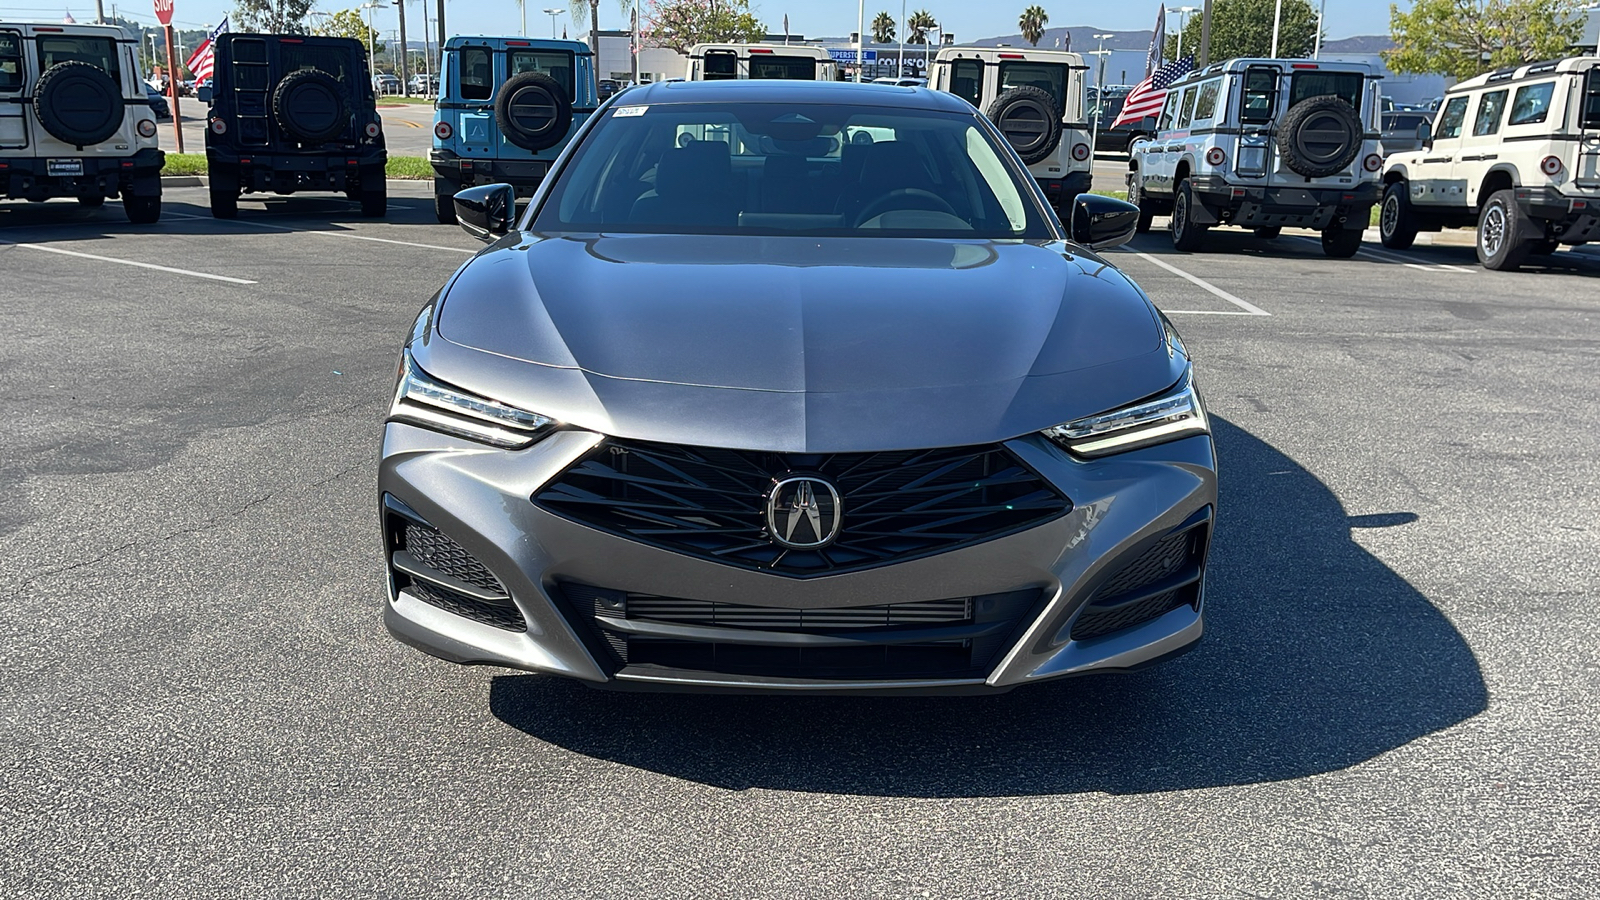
point(288, 173)
point(464, 172)
point(480, 498)
point(40, 178)
point(1573, 220)
point(1286, 206)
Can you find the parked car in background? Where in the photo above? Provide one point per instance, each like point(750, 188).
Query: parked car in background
point(1400, 131)
point(607, 87)
point(506, 110)
point(384, 83)
point(782, 62)
point(1110, 139)
point(158, 102)
point(425, 85)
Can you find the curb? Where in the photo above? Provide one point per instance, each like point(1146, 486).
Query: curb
point(183, 181)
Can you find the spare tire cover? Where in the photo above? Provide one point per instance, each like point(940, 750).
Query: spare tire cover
point(78, 103)
point(533, 111)
point(1029, 119)
point(1320, 136)
point(309, 106)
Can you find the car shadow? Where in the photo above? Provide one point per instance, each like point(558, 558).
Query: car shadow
point(1294, 244)
point(66, 220)
point(1317, 657)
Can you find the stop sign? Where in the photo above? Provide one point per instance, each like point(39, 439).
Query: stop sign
point(164, 11)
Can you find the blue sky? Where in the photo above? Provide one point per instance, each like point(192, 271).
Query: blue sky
point(811, 17)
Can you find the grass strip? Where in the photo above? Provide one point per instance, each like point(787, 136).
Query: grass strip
point(407, 167)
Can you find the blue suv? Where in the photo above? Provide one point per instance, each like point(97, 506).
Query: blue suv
point(506, 107)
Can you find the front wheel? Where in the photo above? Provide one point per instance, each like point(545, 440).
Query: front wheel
point(1502, 243)
point(142, 210)
point(1186, 235)
point(1137, 198)
point(1339, 242)
point(1397, 223)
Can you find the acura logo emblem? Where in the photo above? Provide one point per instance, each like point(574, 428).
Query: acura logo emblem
point(803, 513)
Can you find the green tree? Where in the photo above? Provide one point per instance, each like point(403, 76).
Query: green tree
point(1032, 22)
point(1244, 28)
point(680, 24)
point(918, 24)
point(1463, 38)
point(882, 28)
point(347, 23)
point(271, 16)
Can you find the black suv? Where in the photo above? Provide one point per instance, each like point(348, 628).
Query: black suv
point(293, 113)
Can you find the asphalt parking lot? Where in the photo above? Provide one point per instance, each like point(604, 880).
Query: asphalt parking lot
point(1398, 693)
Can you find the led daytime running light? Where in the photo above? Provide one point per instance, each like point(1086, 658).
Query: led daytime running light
point(421, 400)
point(1169, 417)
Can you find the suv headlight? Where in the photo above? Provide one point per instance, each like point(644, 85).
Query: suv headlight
point(1174, 414)
point(421, 399)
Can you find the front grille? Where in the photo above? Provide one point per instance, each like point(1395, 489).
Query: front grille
point(871, 641)
point(427, 564)
point(436, 551)
point(711, 503)
point(1163, 578)
point(498, 613)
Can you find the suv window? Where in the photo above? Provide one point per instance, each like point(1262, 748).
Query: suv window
point(295, 57)
point(1260, 94)
point(1205, 107)
point(966, 80)
point(1344, 85)
point(783, 68)
point(100, 52)
point(1455, 113)
point(10, 61)
point(1589, 111)
point(1048, 77)
point(1168, 112)
point(1491, 108)
point(1532, 103)
point(721, 65)
point(477, 74)
point(1186, 108)
point(555, 63)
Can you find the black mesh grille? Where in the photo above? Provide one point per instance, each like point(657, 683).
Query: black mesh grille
point(437, 551)
point(1160, 561)
point(499, 613)
point(711, 503)
point(1161, 579)
point(877, 634)
point(1095, 621)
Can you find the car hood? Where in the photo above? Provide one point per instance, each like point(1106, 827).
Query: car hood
point(796, 344)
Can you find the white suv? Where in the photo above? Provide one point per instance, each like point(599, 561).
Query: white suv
point(1263, 144)
point(1035, 98)
point(75, 120)
point(1526, 172)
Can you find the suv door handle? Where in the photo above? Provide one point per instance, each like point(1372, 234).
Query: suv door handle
point(1433, 159)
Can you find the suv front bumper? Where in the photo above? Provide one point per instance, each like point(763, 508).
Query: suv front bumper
point(1280, 206)
point(286, 173)
point(464, 172)
point(32, 178)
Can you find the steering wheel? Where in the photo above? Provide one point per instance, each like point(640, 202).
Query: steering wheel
point(903, 198)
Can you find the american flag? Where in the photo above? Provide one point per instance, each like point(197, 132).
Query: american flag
point(199, 64)
point(1147, 96)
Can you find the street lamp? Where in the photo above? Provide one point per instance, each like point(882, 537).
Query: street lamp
point(372, 46)
point(1183, 14)
point(1100, 88)
point(552, 12)
point(927, 50)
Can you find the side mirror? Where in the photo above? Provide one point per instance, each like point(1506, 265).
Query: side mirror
point(1100, 222)
point(204, 93)
point(486, 211)
point(1147, 125)
point(1425, 135)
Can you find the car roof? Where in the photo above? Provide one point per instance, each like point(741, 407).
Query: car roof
point(784, 91)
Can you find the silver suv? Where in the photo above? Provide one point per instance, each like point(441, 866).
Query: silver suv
point(75, 120)
point(1263, 144)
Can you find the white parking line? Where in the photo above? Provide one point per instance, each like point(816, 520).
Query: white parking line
point(1249, 309)
point(337, 234)
point(1390, 256)
point(129, 262)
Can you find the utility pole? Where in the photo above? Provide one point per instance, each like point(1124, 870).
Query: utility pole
point(99, 12)
point(405, 50)
point(1205, 36)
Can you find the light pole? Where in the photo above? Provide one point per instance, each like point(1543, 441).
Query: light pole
point(1100, 89)
point(552, 12)
point(1322, 10)
point(1183, 19)
point(927, 50)
point(900, 61)
point(1277, 18)
point(372, 45)
point(861, 34)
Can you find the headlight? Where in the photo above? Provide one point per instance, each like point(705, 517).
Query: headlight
point(420, 399)
point(1175, 414)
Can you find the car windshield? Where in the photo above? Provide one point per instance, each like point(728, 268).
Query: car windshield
point(333, 61)
point(98, 52)
point(795, 169)
point(1344, 85)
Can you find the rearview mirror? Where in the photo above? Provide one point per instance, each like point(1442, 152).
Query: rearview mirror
point(204, 94)
point(1425, 135)
point(1100, 222)
point(485, 212)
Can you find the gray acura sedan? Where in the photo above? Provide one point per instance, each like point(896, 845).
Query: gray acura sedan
point(795, 386)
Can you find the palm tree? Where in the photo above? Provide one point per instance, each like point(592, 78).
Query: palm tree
point(882, 28)
point(1032, 22)
point(579, 9)
point(918, 25)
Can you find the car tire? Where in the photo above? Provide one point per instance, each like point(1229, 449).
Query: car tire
point(1397, 221)
point(142, 210)
point(533, 111)
point(1186, 235)
point(92, 201)
point(444, 201)
point(1029, 119)
point(1339, 242)
point(1269, 232)
point(223, 185)
point(374, 192)
point(1502, 244)
point(78, 103)
point(1137, 198)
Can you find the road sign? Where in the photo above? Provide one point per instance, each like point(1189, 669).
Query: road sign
point(848, 55)
point(164, 11)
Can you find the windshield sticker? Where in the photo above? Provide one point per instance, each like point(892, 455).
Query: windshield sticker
point(623, 112)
